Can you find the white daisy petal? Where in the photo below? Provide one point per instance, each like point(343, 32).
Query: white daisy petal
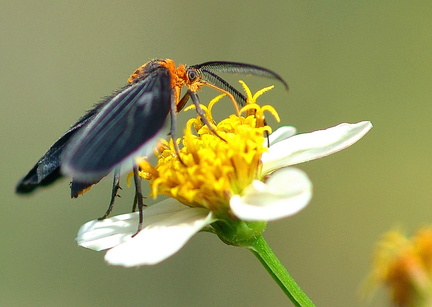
point(100, 235)
point(308, 146)
point(161, 239)
point(286, 192)
point(280, 134)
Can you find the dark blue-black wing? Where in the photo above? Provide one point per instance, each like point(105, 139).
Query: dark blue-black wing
point(47, 169)
point(131, 121)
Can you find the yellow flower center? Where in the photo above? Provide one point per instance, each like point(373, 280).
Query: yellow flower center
point(212, 168)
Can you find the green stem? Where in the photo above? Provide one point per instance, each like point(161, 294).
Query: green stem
point(263, 252)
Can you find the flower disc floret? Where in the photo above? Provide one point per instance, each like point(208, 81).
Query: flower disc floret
point(211, 168)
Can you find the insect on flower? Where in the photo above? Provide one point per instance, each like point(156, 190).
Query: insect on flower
point(128, 124)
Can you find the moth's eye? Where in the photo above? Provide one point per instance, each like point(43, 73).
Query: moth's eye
point(192, 75)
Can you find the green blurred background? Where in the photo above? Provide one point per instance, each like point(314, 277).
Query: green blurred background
point(345, 61)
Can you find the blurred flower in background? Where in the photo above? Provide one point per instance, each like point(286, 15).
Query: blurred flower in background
point(403, 266)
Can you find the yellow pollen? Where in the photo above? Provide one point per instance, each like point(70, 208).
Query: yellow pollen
point(211, 169)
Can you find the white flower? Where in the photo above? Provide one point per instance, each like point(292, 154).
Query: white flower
point(169, 224)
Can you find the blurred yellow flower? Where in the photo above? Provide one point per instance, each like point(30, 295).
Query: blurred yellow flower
point(404, 266)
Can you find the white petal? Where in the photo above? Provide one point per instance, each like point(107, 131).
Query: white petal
point(160, 240)
point(280, 134)
point(99, 235)
point(308, 146)
point(286, 192)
